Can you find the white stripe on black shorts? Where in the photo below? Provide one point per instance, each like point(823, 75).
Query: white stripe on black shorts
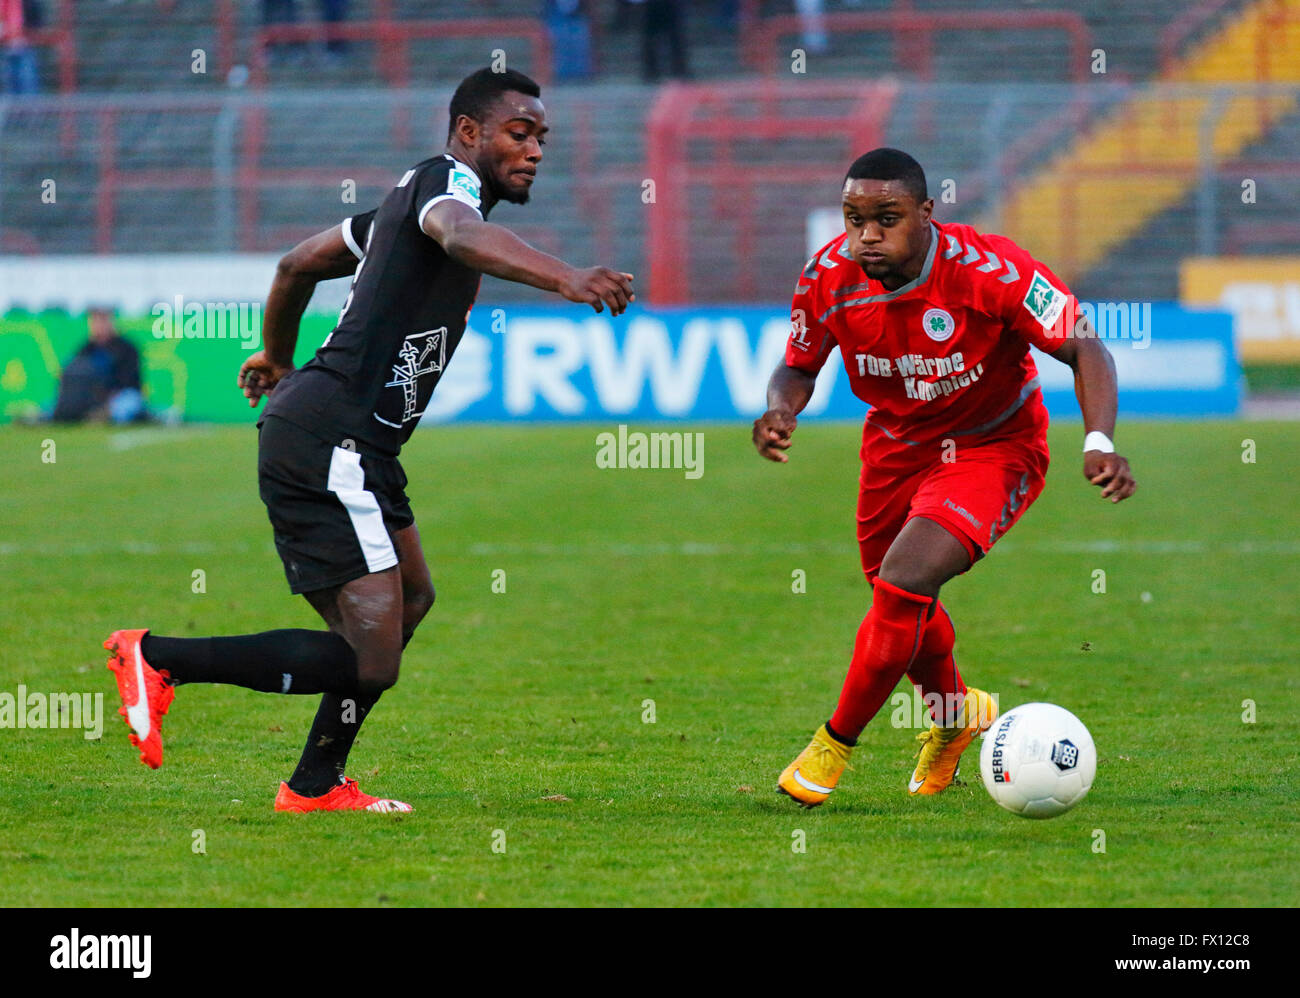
point(333, 509)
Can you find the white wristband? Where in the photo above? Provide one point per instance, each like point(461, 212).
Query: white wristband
point(1096, 440)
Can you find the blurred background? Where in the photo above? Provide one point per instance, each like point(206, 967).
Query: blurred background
point(158, 156)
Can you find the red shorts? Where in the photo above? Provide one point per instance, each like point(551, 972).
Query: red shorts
point(977, 494)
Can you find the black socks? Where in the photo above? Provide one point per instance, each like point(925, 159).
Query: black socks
point(324, 757)
point(284, 661)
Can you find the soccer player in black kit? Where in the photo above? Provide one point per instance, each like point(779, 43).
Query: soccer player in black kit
point(329, 437)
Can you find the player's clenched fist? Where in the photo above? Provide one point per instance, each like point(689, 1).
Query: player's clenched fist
point(772, 433)
point(259, 374)
point(596, 285)
point(1111, 472)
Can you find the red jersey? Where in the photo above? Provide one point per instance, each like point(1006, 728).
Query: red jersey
point(945, 355)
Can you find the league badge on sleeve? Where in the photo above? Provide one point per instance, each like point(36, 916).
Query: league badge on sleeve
point(464, 186)
point(1044, 301)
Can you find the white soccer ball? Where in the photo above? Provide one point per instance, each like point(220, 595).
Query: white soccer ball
point(1038, 760)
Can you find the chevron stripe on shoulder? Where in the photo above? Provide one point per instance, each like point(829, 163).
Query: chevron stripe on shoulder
point(967, 253)
point(825, 259)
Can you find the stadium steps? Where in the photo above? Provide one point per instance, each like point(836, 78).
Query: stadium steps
point(1128, 32)
point(1142, 157)
point(940, 133)
point(138, 46)
point(1144, 267)
point(69, 223)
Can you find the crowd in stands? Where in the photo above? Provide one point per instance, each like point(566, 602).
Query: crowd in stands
point(286, 12)
point(17, 18)
point(662, 24)
point(665, 28)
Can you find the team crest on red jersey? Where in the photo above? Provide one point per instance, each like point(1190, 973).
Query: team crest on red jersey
point(938, 324)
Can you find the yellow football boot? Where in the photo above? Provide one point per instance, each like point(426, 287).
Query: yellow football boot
point(812, 776)
point(941, 748)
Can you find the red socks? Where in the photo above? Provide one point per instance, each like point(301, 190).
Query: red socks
point(896, 638)
point(888, 641)
point(934, 670)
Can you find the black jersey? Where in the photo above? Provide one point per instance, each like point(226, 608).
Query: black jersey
point(402, 321)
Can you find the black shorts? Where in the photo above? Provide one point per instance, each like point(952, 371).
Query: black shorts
point(334, 510)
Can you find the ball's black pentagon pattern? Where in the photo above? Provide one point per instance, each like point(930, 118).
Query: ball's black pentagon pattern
point(1065, 754)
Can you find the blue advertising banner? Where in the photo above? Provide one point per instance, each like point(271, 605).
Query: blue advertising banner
point(713, 364)
point(568, 363)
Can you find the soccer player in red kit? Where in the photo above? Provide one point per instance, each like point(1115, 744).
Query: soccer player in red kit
point(934, 324)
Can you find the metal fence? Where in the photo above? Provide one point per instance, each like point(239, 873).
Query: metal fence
point(1111, 184)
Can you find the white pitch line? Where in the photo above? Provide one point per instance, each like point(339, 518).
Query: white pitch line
point(694, 549)
point(83, 550)
point(1040, 547)
point(144, 437)
point(1154, 547)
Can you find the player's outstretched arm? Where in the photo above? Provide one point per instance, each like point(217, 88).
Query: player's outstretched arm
point(1098, 394)
point(494, 249)
point(318, 258)
point(788, 391)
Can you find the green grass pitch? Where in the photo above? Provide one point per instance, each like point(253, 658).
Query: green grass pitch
point(626, 586)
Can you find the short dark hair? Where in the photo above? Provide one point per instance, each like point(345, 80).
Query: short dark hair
point(481, 89)
point(890, 164)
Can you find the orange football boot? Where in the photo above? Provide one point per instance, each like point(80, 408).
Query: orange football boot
point(347, 796)
point(146, 693)
point(941, 748)
point(813, 775)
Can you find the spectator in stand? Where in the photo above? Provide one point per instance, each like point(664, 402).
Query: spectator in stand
point(102, 380)
point(286, 12)
point(16, 17)
point(621, 20)
point(663, 34)
point(276, 12)
point(335, 12)
point(569, 25)
point(726, 14)
point(813, 24)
